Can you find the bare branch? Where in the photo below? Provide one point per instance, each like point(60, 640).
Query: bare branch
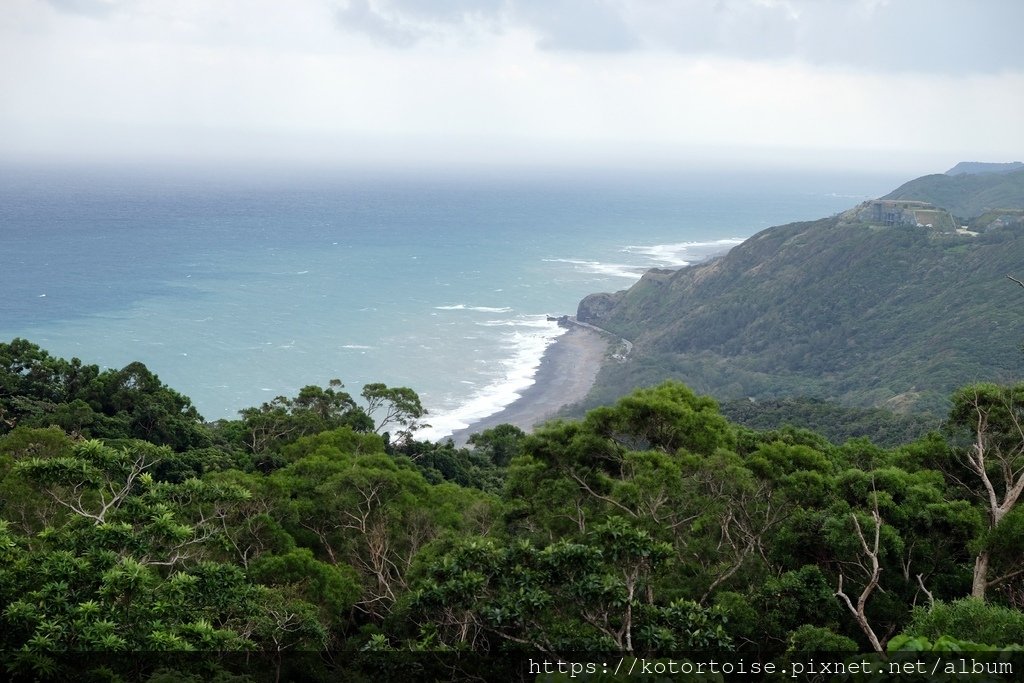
point(860, 610)
point(931, 598)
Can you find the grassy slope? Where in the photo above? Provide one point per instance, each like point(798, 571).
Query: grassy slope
point(861, 316)
point(966, 195)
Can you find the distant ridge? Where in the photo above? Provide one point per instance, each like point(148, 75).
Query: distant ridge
point(980, 167)
point(840, 309)
point(967, 195)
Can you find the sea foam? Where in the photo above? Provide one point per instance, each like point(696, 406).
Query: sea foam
point(479, 309)
point(525, 343)
point(682, 253)
point(599, 268)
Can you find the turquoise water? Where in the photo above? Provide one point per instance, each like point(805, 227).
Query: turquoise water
point(238, 287)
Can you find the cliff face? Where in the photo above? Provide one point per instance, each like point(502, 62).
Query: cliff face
point(860, 314)
point(597, 306)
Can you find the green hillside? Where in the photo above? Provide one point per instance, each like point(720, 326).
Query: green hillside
point(856, 314)
point(985, 167)
point(966, 195)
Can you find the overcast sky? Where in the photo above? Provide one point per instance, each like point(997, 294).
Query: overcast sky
point(899, 84)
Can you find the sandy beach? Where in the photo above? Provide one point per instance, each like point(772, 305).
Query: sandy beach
point(566, 373)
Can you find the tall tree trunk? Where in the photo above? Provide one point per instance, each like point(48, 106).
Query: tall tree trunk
point(980, 582)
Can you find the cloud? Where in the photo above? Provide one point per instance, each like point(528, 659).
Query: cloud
point(583, 25)
point(404, 23)
point(455, 11)
point(579, 25)
point(389, 29)
point(910, 36)
point(928, 36)
point(97, 9)
point(509, 80)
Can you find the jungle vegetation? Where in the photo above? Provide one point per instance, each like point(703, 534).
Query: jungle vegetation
point(652, 525)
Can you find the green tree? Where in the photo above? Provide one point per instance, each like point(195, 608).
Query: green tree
point(33, 384)
point(595, 594)
point(399, 406)
point(990, 460)
point(24, 506)
point(661, 459)
point(370, 511)
point(132, 564)
point(146, 408)
point(499, 444)
point(968, 619)
point(333, 588)
point(283, 420)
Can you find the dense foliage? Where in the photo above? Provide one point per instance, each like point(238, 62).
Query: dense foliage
point(836, 422)
point(653, 525)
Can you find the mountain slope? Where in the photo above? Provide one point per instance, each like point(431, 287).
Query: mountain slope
point(984, 167)
point(861, 315)
point(966, 194)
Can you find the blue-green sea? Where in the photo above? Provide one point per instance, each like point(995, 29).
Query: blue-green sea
point(236, 286)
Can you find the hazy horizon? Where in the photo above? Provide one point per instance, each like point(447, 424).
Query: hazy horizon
point(912, 87)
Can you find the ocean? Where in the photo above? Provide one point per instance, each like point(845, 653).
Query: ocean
point(239, 286)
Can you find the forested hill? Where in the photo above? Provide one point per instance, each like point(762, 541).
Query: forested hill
point(985, 167)
point(966, 194)
point(837, 309)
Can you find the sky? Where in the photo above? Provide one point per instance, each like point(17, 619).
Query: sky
point(893, 84)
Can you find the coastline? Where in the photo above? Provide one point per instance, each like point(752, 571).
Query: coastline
point(567, 372)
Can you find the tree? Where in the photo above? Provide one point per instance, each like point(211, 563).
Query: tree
point(23, 505)
point(394, 405)
point(145, 408)
point(667, 417)
point(968, 619)
point(991, 466)
point(132, 564)
point(499, 444)
point(592, 594)
point(660, 458)
point(868, 561)
point(284, 420)
point(369, 511)
point(93, 482)
point(33, 383)
point(333, 588)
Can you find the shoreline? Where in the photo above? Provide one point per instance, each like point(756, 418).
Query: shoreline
point(567, 371)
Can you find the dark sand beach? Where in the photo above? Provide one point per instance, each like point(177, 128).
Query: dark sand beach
point(566, 373)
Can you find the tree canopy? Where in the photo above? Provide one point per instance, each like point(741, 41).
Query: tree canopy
point(652, 525)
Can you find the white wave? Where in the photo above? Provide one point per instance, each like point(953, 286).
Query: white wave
point(355, 346)
point(673, 255)
point(526, 348)
point(481, 309)
point(520, 322)
point(682, 253)
point(598, 268)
